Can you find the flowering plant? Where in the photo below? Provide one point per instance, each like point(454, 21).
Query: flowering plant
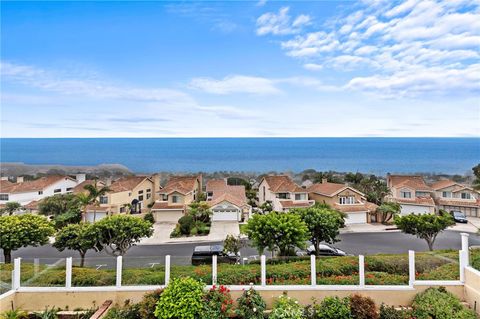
point(286, 308)
point(218, 303)
point(250, 305)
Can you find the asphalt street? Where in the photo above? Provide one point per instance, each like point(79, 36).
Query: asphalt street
point(148, 255)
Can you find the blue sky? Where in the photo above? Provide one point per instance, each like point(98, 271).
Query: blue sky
point(240, 68)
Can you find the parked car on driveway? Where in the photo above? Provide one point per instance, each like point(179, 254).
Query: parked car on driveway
point(326, 250)
point(459, 217)
point(204, 255)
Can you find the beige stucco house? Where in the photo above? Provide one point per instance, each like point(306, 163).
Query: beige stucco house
point(452, 196)
point(131, 194)
point(227, 202)
point(412, 193)
point(345, 199)
point(283, 193)
point(174, 198)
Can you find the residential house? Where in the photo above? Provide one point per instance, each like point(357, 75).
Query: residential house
point(345, 199)
point(412, 193)
point(283, 193)
point(25, 192)
point(227, 202)
point(130, 194)
point(453, 196)
point(174, 198)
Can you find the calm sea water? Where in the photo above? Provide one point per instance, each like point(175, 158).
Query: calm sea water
point(370, 155)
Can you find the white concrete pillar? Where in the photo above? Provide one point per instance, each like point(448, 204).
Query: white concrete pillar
point(411, 267)
point(263, 265)
point(214, 269)
point(463, 262)
point(465, 247)
point(313, 269)
point(16, 273)
point(167, 269)
point(119, 271)
point(68, 272)
point(361, 270)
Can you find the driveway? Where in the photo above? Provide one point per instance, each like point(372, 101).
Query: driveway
point(220, 229)
point(163, 229)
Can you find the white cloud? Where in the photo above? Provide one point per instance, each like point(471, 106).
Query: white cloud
point(235, 84)
point(281, 23)
point(399, 44)
point(313, 66)
point(71, 84)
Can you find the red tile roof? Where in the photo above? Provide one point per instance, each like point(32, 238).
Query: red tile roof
point(127, 183)
point(296, 204)
point(422, 201)
point(282, 184)
point(180, 184)
point(80, 188)
point(443, 184)
point(415, 182)
point(32, 186)
point(363, 207)
point(223, 192)
point(459, 202)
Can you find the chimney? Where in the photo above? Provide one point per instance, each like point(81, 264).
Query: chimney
point(156, 185)
point(80, 178)
point(324, 180)
point(108, 181)
point(19, 179)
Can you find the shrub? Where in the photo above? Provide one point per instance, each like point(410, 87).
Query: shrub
point(334, 308)
point(362, 307)
point(14, 314)
point(250, 305)
point(389, 312)
point(185, 224)
point(285, 307)
point(182, 299)
point(146, 307)
point(149, 218)
point(128, 311)
point(439, 304)
point(218, 303)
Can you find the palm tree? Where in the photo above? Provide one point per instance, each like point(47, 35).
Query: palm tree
point(94, 194)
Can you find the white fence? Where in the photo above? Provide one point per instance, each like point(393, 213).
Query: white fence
point(463, 262)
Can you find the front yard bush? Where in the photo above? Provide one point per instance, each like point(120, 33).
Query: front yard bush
point(286, 308)
point(250, 305)
point(363, 307)
point(218, 303)
point(181, 299)
point(437, 303)
point(334, 308)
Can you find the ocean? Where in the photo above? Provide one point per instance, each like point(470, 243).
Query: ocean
point(146, 155)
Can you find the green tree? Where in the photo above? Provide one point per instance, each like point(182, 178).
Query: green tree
point(94, 193)
point(233, 244)
point(22, 231)
point(71, 217)
point(329, 176)
point(277, 231)
point(80, 237)
point(323, 225)
point(200, 211)
point(120, 232)
point(389, 210)
point(476, 172)
point(375, 189)
point(11, 207)
point(58, 204)
point(424, 226)
point(266, 207)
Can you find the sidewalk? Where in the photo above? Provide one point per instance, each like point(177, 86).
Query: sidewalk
point(218, 232)
point(368, 228)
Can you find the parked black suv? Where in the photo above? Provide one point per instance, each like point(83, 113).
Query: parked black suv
point(459, 217)
point(204, 255)
point(326, 250)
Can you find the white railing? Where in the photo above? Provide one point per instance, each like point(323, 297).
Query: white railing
point(463, 263)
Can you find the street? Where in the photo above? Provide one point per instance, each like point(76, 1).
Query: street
point(148, 255)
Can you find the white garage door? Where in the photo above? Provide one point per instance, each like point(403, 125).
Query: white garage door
point(225, 216)
point(356, 218)
point(167, 216)
point(92, 217)
point(409, 209)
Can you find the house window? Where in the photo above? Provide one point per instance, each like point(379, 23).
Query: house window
point(345, 200)
point(466, 196)
point(165, 197)
point(263, 192)
point(404, 194)
point(300, 197)
point(140, 198)
point(129, 194)
point(57, 190)
point(69, 189)
point(447, 194)
point(122, 209)
point(149, 195)
point(103, 200)
point(148, 190)
point(283, 195)
point(40, 192)
point(3, 196)
point(174, 199)
point(140, 192)
point(422, 194)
